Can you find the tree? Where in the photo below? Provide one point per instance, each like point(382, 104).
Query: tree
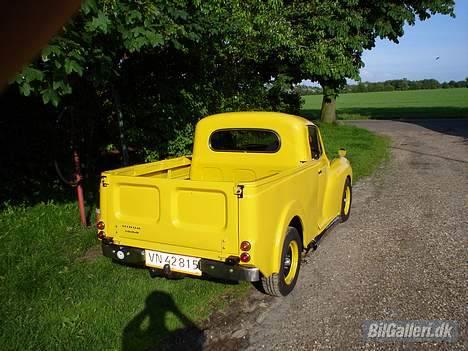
point(93, 46)
point(217, 56)
point(83, 66)
point(332, 35)
point(159, 65)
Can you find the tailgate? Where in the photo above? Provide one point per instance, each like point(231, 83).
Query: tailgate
point(195, 218)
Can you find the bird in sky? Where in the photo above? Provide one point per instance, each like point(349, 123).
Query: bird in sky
point(438, 57)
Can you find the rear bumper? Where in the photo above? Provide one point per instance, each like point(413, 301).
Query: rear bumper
point(216, 269)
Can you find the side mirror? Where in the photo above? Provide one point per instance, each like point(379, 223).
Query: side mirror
point(342, 152)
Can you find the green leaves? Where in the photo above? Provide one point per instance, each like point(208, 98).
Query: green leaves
point(139, 38)
point(28, 79)
point(240, 45)
point(50, 96)
point(31, 74)
point(49, 52)
point(100, 23)
point(73, 66)
point(103, 36)
point(88, 6)
point(154, 39)
point(25, 89)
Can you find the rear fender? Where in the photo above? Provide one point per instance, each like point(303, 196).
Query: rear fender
point(290, 211)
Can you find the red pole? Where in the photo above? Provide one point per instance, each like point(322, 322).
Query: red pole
point(79, 187)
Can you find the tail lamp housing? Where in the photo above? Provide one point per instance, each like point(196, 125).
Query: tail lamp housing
point(245, 257)
point(245, 246)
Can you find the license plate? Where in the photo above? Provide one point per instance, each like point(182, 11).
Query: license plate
point(178, 263)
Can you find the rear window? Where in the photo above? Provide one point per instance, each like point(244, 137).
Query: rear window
point(245, 140)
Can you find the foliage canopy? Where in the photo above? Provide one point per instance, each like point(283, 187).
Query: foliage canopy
point(143, 72)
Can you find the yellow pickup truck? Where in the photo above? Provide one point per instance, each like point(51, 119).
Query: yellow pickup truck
point(257, 192)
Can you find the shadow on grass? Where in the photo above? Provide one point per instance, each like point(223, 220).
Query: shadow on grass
point(393, 113)
point(148, 329)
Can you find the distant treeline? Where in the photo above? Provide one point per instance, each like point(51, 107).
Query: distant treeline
point(388, 85)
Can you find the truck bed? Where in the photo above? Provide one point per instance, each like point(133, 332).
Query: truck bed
point(176, 168)
point(157, 206)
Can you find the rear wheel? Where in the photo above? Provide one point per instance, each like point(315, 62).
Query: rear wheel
point(283, 282)
point(346, 201)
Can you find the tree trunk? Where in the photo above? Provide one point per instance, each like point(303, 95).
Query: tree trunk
point(328, 111)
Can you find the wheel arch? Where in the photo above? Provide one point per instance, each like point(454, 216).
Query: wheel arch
point(292, 215)
point(296, 222)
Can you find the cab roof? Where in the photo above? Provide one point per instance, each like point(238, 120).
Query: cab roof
point(252, 119)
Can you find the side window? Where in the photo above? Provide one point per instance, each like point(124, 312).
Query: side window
point(315, 148)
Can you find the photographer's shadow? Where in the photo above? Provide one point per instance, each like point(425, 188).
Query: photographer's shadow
point(148, 331)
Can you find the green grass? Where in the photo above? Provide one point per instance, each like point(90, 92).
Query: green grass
point(365, 150)
point(412, 104)
point(53, 299)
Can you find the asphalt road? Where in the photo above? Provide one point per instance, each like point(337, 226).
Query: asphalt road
point(401, 255)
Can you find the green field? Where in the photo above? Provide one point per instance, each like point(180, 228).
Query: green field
point(411, 104)
point(58, 293)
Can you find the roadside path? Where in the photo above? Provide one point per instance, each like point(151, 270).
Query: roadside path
point(401, 255)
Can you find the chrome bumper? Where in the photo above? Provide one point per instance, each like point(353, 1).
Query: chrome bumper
point(222, 270)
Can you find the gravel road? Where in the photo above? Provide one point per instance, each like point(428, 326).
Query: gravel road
point(401, 255)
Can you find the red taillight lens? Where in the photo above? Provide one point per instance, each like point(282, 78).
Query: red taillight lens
point(101, 235)
point(245, 257)
point(245, 246)
point(100, 225)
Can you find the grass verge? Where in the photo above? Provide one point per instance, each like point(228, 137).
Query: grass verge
point(365, 150)
point(53, 299)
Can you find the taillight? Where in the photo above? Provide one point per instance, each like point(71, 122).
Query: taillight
point(101, 235)
point(245, 246)
point(245, 257)
point(100, 225)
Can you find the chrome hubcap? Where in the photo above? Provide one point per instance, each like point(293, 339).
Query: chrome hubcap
point(287, 262)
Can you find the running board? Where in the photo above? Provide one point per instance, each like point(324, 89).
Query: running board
point(314, 243)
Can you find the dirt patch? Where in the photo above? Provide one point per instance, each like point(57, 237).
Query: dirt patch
point(226, 330)
point(91, 254)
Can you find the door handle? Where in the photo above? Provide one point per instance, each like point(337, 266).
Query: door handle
point(320, 172)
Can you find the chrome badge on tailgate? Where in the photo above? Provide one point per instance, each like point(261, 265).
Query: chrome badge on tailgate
point(131, 229)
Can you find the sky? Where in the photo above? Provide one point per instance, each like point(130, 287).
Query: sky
point(415, 56)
